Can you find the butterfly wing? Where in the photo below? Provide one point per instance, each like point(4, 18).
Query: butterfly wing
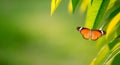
point(95, 34)
point(86, 33)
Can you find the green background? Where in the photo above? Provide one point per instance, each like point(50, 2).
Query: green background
point(30, 36)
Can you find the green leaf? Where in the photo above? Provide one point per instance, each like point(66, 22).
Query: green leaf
point(101, 56)
point(107, 53)
point(114, 42)
point(118, 29)
point(111, 4)
point(112, 54)
point(84, 5)
point(95, 13)
point(91, 2)
point(114, 50)
point(74, 4)
point(113, 34)
point(98, 21)
point(112, 24)
point(101, 42)
point(116, 60)
point(112, 11)
point(112, 14)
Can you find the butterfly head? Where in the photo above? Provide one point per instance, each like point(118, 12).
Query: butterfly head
point(102, 32)
point(79, 28)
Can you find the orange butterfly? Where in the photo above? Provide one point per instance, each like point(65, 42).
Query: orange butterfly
point(90, 34)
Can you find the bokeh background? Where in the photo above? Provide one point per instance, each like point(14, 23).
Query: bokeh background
point(30, 36)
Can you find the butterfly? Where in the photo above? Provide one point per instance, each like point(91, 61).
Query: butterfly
point(90, 34)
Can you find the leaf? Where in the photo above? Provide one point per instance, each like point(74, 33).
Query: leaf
point(112, 35)
point(115, 49)
point(54, 5)
point(70, 8)
point(115, 11)
point(112, 24)
point(101, 56)
point(111, 4)
point(101, 42)
point(58, 3)
point(95, 13)
point(116, 60)
point(114, 42)
point(111, 13)
point(105, 56)
point(91, 2)
point(98, 21)
point(118, 29)
point(84, 5)
point(74, 5)
point(112, 54)
point(107, 53)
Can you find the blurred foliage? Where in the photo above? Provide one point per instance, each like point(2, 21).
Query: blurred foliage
point(30, 36)
point(105, 15)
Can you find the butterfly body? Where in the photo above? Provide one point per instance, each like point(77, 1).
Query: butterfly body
point(90, 34)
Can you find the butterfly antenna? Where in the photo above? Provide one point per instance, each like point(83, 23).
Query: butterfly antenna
point(101, 27)
point(103, 32)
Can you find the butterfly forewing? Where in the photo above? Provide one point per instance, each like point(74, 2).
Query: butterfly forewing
point(86, 33)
